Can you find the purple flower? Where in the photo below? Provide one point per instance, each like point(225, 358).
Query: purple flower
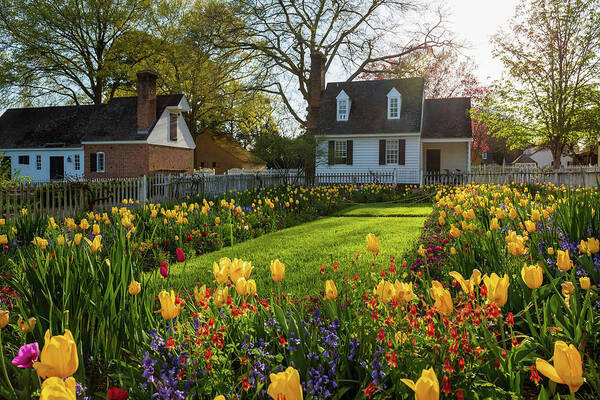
point(28, 354)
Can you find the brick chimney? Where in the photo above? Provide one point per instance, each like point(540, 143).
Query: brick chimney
point(316, 88)
point(146, 100)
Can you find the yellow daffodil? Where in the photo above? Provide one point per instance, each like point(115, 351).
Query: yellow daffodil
point(427, 386)
point(58, 357)
point(285, 385)
point(567, 368)
point(497, 288)
point(533, 275)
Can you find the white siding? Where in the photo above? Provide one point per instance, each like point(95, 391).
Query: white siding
point(453, 155)
point(160, 133)
point(366, 157)
point(43, 175)
point(544, 158)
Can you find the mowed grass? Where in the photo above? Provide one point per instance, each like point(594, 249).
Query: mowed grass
point(303, 249)
point(387, 210)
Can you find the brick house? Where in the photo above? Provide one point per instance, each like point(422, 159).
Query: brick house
point(222, 153)
point(126, 137)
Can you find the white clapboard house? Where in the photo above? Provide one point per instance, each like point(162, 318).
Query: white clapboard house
point(387, 125)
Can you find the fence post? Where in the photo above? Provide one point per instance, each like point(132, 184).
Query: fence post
point(142, 189)
point(395, 177)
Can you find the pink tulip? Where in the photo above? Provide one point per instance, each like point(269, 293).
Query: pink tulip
point(28, 354)
point(180, 255)
point(164, 269)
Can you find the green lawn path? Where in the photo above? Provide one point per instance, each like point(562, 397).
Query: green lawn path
point(387, 210)
point(305, 247)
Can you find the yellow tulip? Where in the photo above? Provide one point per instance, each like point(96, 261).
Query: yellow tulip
point(530, 226)
point(464, 284)
point(497, 288)
point(535, 215)
point(251, 285)
point(563, 261)
point(26, 326)
point(134, 288)
point(421, 251)
point(84, 225)
point(372, 243)
point(220, 296)
point(517, 247)
point(403, 292)
point(3, 239)
point(220, 397)
point(567, 368)
point(40, 243)
point(533, 275)
point(427, 386)
point(2, 221)
point(593, 245)
point(454, 232)
point(96, 244)
point(452, 251)
point(585, 283)
point(331, 292)
point(241, 286)
point(385, 291)
point(4, 316)
point(567, 288)
point(220, 272)
point(77, 238)
point(55, 388)
point(199, 295)
point(96, 230)
point(58, 357)
point(494, 224)
point(442, 297)
point(277, 270)
point(550, 251)
point(285, 385)
point(168, 308)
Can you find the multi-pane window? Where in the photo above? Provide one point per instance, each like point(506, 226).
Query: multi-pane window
point(394, 108)
point(38, 162)
point(173, 127)
point(77, 162)
point(100, 162)
point(342, 110)
point(24, 160)
point(391, 151)
point(341, 151)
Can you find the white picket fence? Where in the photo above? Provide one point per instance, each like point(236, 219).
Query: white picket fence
point(567, 177)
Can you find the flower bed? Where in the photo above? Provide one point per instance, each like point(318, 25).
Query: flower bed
point(498, 299)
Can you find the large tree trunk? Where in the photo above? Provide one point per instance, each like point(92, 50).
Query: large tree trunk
point(556, 155)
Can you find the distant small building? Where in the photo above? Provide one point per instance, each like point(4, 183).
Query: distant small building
point(543, 157)
point(221, 152)
point(525, 161)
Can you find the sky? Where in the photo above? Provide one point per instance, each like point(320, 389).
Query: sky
point(475, 21)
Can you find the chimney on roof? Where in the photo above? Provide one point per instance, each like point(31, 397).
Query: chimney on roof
point(315, 89)
point(146, 100)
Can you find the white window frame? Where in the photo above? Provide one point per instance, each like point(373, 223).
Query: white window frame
point(77, 162)
point(340, 151)
point(484, 155)
point(38, 162)
point(343, 106)
point(391, 151)
point(100, 164)
point(394, 96)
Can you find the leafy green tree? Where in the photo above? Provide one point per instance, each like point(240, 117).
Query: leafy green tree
point(551, 54)
point(80, 51)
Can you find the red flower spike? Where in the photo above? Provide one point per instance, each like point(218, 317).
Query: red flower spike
point(535, 377)
point(368, 391)
point(510, 320)
point(116, 393)
point(460, 395)
point(446, 385)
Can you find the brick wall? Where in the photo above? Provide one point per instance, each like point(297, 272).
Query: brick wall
point(120, 160)
point(170, 159)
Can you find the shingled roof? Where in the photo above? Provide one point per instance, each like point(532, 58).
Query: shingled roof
point(68, 126)
point(368, 110)
point(447, 118)
point(442, 118)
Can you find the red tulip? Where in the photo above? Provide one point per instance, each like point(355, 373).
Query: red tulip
point(164, 269)
point(180, 255)
point(115, 393)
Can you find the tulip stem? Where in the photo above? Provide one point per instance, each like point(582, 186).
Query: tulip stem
point(12, 389)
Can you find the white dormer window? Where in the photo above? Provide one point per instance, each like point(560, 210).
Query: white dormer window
point(394, 104)
point(343, 106)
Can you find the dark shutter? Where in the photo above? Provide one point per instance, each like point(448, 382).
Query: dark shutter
point(331, 153)
point(382, 152)
point(173, 127)
point(93, 162)
point(401, 151)
point(349, 152)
